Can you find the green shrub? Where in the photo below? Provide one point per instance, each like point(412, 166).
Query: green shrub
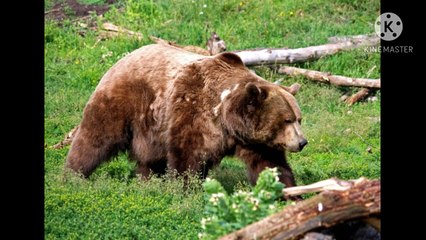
point(224, 213)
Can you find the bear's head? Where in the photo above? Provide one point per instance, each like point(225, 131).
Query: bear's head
point(256, 111)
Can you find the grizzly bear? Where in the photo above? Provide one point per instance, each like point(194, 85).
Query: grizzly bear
point(172, 109)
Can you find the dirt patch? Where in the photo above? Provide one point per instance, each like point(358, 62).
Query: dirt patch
point(72, 8)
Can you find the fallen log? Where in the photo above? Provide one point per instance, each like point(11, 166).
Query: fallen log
point(358, 96)
point(357, 199)
point(331, 79)
point(285, 56)
point(353, 38)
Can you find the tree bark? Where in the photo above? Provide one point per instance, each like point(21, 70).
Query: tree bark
point(331, 79)
point(285, 56)
point(362, 200)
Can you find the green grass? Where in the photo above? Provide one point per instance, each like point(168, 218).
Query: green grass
point(113, 203)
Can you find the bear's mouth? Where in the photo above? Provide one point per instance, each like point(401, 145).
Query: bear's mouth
point(291, 149)
point(280, 147)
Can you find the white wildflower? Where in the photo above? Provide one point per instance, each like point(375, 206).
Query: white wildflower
point(214, 201)
point(203, 223)
point(215, 198)
point(205, 5)
point(108, 54)
point(255, 201)
point(201, 13)
point(218, 195)
point(277, 179)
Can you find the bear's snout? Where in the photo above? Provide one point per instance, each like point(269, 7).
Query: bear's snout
point(302, 144)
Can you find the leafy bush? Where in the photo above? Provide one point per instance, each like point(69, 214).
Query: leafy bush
point(225, 213)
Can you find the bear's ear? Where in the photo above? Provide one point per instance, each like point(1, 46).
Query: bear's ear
point(293, 89)
point(255, 95)
point(230, 58)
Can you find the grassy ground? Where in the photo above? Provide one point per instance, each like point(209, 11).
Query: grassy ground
point(113, 204)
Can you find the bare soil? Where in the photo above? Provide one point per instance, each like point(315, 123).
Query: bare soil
point(72, 8)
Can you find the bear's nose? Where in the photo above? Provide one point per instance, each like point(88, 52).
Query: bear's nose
point(302, 144)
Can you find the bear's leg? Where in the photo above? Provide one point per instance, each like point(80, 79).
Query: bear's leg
point(87, 152)
point(188, 165)
point(186, 160)
point(103, 132)
point(258, 157)
point(149, 156)
point(146, 169)
point(186, 148)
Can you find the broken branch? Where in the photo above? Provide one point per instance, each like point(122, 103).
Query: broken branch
point(112, 30)
point(331, 79)
point(329, 184)
point(358, 96)
point(67, 140)
point(188, 48)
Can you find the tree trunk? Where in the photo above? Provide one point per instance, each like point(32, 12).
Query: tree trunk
point(331, 79)
point(329, 208)
point(285, 56)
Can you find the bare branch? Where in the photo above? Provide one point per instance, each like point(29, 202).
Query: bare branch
point(331, 79)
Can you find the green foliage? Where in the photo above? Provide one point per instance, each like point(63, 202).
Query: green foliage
point(108, 208)
point(113, 203)
point(89, 2)
point(224, 213)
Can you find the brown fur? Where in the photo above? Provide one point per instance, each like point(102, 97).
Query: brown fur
point(171, 108)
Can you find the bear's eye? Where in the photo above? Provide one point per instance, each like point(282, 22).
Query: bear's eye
point(300, 121)
point(288, 121)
